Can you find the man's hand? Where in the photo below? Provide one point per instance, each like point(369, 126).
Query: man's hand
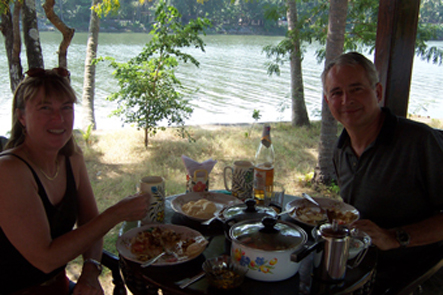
point(382, 238)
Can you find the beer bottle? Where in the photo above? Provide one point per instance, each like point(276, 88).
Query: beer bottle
point(264, 164)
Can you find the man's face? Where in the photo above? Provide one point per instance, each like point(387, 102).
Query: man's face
point(353, 101)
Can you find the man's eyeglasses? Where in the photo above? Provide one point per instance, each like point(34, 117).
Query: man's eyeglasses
point(39, 72)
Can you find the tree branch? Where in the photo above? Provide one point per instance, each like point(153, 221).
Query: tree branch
point(67, 32)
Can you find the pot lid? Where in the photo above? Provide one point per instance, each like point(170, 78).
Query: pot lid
point(268, 234)
point(248, 210)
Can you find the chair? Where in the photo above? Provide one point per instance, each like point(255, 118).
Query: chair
point(109, 260)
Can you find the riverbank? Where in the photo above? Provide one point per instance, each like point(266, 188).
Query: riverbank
point(118, 26)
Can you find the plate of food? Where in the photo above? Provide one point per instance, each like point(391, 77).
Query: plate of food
point(202, 206)
point(307, 213)
point(140, 244)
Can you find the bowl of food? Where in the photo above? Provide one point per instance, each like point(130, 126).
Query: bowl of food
point(201, 206)
point(359, 242)
point(222, 274)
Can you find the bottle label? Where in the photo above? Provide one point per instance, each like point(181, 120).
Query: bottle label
point(266, 136)
point(259, 179)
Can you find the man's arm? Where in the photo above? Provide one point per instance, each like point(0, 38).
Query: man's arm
point(425, 232)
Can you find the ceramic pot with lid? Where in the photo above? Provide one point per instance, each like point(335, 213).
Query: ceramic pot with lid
point(270, 249)
point(246, 211)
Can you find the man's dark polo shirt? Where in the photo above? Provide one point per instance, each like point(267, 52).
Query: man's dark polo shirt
point(398, 179)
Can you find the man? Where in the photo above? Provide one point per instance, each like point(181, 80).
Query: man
point(388, 167)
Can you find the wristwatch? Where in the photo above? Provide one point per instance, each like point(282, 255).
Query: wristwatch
point(402, 237)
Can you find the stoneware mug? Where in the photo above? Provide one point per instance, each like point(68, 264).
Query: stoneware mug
point(242, 179)
point(155, 186)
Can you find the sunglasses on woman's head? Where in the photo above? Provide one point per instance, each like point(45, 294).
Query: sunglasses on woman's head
point(39, 72)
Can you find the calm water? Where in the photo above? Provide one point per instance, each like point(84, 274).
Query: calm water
point(229, 84)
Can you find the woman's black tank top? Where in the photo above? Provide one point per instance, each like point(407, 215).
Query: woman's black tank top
point(17, 272)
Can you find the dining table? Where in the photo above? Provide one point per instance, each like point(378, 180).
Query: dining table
point(167, 279)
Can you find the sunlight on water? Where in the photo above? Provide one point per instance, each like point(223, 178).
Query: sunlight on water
point(229, 84)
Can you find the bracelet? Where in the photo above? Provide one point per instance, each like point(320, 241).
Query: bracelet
point(97, 264)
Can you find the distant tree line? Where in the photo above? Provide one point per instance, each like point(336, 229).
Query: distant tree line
point(138, 16)
point(242, 17)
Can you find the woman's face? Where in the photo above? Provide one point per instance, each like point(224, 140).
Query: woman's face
point(48, 120)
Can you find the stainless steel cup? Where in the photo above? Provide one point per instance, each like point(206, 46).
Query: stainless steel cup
point(334, 257)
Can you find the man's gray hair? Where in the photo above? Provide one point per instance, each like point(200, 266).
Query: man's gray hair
point(353, 59)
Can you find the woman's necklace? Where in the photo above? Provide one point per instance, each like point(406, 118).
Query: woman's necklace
point(56, 172)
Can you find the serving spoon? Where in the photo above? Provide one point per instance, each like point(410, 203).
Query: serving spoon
point(217, 215)
point(311, 199)
point(210, 220)
point(286, 211)
point(328, 212)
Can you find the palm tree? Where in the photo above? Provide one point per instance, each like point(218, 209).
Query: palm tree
point(89, 78)
point(299, 112)
point(324, 172)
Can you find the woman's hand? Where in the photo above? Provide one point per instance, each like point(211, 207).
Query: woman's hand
point(382, 238)
point(133, 207)
point(88, 285)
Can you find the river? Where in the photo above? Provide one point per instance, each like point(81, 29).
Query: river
point(229, 84)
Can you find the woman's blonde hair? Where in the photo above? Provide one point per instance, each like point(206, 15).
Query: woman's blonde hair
point(55, 84)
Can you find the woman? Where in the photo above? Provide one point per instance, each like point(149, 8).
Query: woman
point(45, 191)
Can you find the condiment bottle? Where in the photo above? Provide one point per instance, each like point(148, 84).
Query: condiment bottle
point(264, 164)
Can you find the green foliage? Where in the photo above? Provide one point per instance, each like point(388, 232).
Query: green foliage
point(256, 116)
point(86, 135)
point(279, 54)
point(431, 11)
point(106, 7)
point(332, 190)
point(4, 6)
point(427, 32)
point(360, 33)
point(149, 90)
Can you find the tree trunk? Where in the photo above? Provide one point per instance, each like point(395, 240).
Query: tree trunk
point(67, 32)
point(146, 137)
point(324, 172)
point(299, 112)
point(89, 78)
point(31, 35)
point(11, 31)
